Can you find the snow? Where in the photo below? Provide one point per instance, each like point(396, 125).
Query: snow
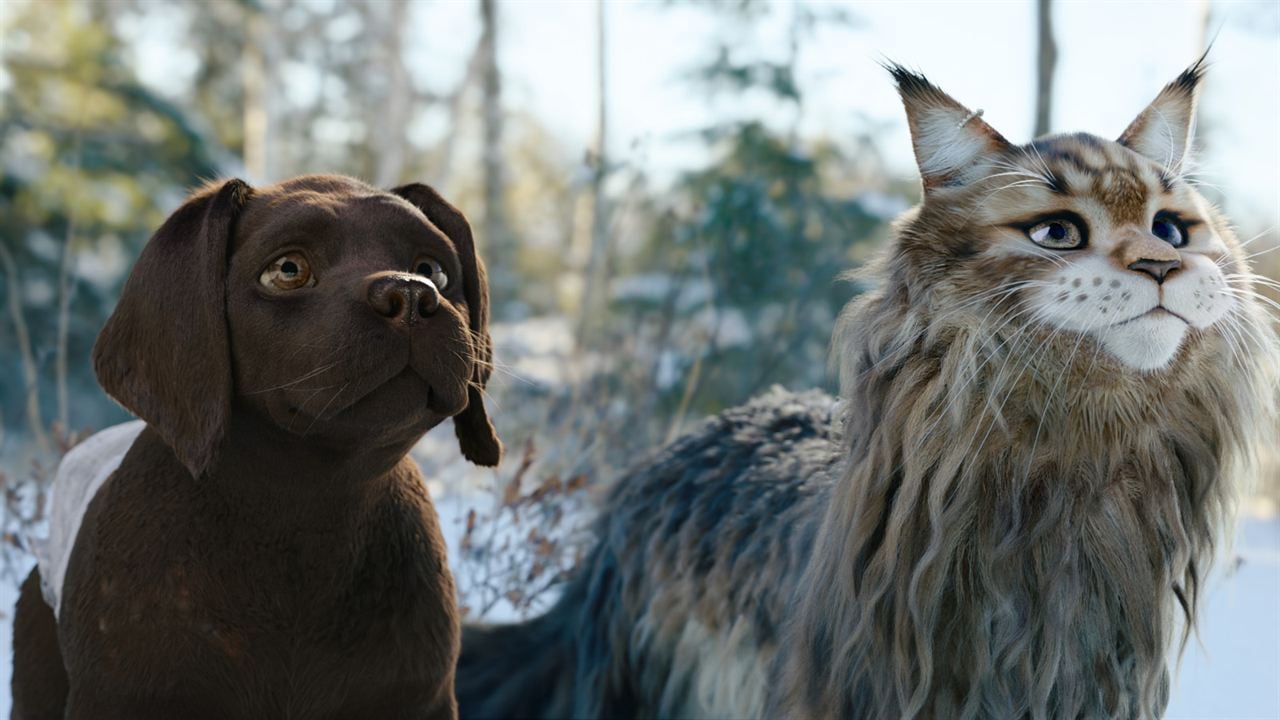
point(1233, 674)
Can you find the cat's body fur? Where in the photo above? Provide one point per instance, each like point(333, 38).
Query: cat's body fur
point(1027, 491)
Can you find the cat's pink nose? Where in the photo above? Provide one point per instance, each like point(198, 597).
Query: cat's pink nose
point(1158, 269)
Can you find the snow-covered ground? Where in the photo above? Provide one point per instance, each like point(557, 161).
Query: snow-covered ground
point(1232, 674)
point(1234, 671)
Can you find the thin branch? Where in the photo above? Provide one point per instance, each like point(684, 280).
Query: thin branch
point(31, 378)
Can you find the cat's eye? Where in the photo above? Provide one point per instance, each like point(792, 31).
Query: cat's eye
point(288, 272)
point(1169, 229)
point(430, 268)
point(1057, 234)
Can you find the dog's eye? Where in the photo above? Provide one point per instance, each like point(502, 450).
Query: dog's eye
point(288, 272)
point(431, 269)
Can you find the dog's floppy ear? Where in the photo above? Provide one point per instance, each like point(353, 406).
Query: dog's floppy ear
point(163, 354)
point(475, 431)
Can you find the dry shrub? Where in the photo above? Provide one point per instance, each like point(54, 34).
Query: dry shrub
point(26, 494)
point(519, 551)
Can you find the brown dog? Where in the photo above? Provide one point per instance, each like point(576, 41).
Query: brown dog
point(267, 549)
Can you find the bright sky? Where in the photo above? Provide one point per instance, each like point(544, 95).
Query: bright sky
point(1113, 58)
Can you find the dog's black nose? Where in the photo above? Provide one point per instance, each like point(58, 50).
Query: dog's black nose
point(403, 297)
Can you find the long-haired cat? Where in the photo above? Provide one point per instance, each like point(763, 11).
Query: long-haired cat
point(1049, 398)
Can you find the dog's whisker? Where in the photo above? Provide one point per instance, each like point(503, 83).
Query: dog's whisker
point(496, 367)
point(303, 378)
point(320, 414)
point(302, 406)
point(484, 394)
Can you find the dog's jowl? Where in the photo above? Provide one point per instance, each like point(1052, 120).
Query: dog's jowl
point(266, 548)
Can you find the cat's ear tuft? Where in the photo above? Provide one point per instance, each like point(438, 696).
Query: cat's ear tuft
point(953, 145)
point(1162, 132)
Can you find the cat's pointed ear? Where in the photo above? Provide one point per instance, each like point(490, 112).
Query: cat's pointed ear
point(1162, 132)
point(953, 145)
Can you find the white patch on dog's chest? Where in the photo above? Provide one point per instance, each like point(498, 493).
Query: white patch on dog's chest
point(80, 476)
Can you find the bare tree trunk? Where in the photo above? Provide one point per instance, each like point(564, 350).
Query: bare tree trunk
point(393, 119)
point(66, 293)
point(261, 55)
point(31, 377)
point(1204, 12)
point(442, 169)
point(496, 234)
point(593, 281)
point(1046, 63)
point(255, 114)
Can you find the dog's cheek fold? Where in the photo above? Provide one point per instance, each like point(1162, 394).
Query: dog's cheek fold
point(476, 434)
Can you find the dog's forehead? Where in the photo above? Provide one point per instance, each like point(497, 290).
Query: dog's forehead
point(324, 209)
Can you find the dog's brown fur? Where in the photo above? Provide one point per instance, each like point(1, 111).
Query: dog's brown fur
point(267, 549)
point(1024, 506)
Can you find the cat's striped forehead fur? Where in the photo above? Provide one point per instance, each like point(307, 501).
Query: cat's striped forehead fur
point(1149, 273)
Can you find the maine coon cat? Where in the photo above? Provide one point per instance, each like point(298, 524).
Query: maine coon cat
point(1049, 397)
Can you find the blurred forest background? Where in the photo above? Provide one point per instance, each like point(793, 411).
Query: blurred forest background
point(666, 193)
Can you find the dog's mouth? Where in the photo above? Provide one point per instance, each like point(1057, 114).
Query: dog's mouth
point(393, 392)
point(386, 380)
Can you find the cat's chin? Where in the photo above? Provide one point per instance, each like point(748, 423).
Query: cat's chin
point(1149, 342)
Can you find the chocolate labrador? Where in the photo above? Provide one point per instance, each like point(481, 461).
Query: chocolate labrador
point(267, 548)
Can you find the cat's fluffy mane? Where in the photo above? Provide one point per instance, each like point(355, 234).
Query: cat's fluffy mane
point(988, 524)
point(1020, 507)
point(1023, 517)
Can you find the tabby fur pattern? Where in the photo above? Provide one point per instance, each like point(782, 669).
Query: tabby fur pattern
point(1016, 503)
